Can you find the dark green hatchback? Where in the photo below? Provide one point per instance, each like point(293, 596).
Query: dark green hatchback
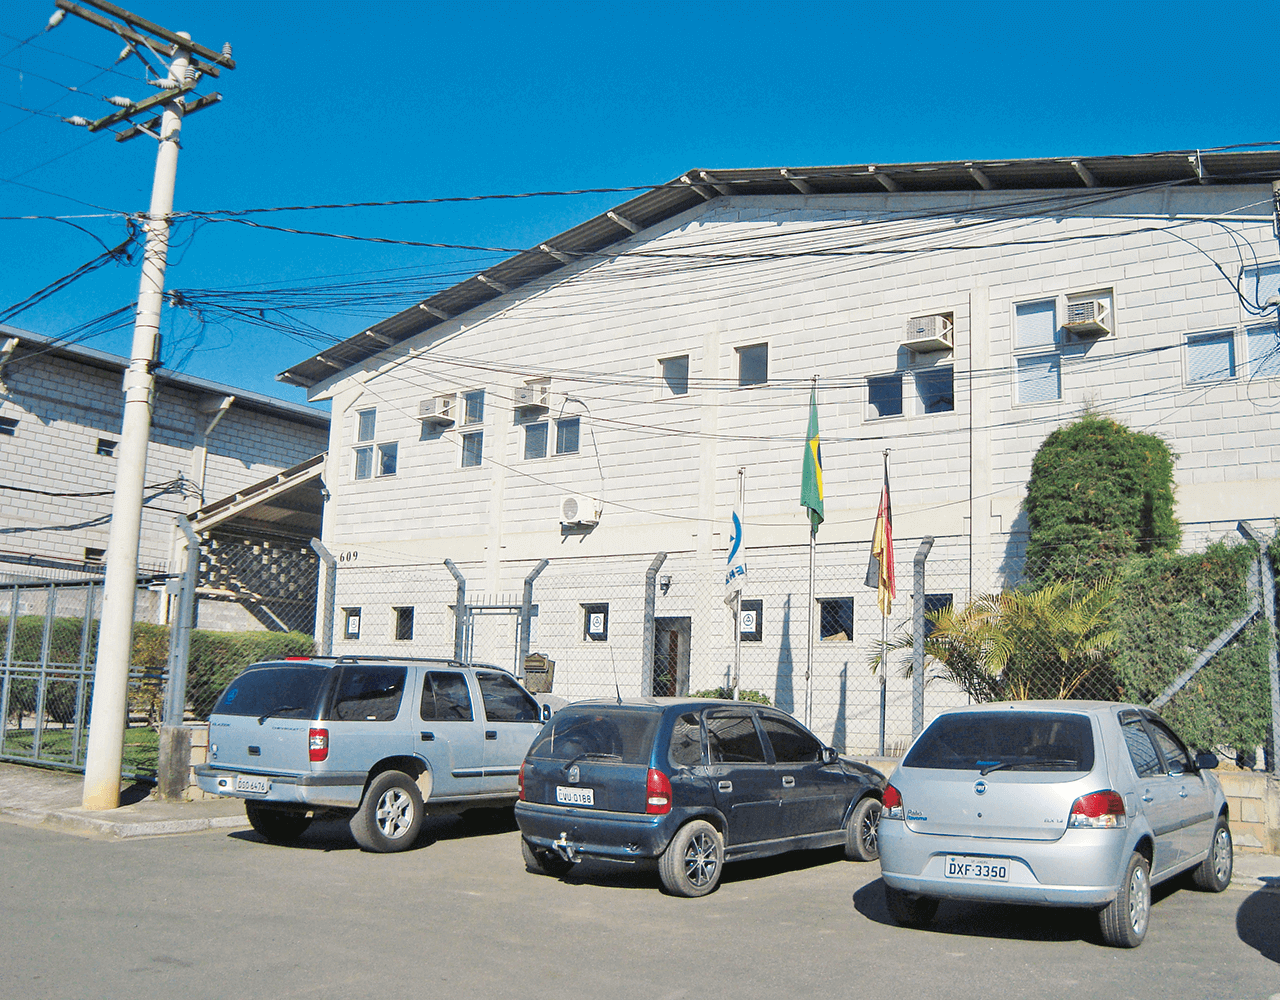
point(692, 783)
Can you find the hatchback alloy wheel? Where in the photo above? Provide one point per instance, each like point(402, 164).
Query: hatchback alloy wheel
point(692, 863)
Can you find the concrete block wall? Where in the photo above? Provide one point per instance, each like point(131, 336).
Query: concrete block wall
point(1253, 799)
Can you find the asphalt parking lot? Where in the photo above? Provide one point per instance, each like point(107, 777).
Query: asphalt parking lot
point(223, 914)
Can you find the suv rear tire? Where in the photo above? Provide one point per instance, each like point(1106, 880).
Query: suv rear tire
point(278, 826)
point(692, 863)
point(390, 816)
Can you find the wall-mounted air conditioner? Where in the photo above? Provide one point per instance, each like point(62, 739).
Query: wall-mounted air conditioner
point(925, 334)
point(1088, 317)
point(437, 411)
point(533, 397)
point(578, 509)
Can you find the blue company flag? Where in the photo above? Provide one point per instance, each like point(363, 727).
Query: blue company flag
point(736, 565)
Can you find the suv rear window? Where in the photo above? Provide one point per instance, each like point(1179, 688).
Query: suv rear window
point(285, 692)
point(994, 741)
point(619, 734)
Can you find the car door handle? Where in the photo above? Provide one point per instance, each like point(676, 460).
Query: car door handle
point(725, 786)
point(490, 734)
point(788, 781)
point(427, 737)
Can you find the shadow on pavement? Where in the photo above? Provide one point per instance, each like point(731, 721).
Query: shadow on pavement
point(335, 834)
point(1000, 920)
point(1258, 921)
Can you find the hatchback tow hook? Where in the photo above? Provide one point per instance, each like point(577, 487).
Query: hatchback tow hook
point(565, 849)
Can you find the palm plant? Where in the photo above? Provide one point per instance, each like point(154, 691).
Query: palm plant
point(1051, 642)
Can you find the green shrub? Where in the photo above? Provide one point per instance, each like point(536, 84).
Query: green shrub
point(759, 697)
point(1098, 493)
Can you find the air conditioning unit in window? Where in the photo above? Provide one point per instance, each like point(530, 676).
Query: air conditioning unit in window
point(533, 397)
point(1088, 317)
point(577, 509)
point(925, 334)
point(437, 411)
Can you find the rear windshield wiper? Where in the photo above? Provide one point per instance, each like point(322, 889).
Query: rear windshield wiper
point(1006, 765)
point(592, 755)
point(277, 710)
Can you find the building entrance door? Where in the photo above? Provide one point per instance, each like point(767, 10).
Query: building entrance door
point(671, 656)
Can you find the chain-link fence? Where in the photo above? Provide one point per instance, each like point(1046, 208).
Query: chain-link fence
point(658, 624)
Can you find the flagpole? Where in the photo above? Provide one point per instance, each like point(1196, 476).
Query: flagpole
point(808, 661)
point(737, 604)
point(884, 642)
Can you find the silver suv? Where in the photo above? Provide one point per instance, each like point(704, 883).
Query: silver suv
point(379, 740)
point(1058, 803)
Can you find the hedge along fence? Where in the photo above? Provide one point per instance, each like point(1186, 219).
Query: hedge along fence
point(1168, 609)
point(215, 659)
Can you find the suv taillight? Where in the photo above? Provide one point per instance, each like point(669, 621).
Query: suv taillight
point(318, 744)
point(1098, 811)
point(892, 802)
point(521, 782)
point(657, 793)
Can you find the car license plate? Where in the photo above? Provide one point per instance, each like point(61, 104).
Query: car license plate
point(248, 783)
point(575, 796)
point(980, 869)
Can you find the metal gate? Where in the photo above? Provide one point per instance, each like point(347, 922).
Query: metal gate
point(49, 633)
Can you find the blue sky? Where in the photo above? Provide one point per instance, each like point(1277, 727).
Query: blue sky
point(341, 102)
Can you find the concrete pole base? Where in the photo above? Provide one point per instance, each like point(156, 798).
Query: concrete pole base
point(174, 770)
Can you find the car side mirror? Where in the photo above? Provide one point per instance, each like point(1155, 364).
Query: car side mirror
point(1206, 761)
point(546, 717)
point(830, 755)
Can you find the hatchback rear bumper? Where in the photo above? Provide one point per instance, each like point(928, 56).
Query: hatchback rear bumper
point(1080, 868)
point(573, 833)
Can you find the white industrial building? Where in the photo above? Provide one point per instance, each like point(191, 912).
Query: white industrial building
point(590, 402)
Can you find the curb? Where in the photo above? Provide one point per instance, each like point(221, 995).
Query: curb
point(77, 821)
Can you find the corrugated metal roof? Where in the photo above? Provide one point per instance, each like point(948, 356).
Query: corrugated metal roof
point(1252, 166)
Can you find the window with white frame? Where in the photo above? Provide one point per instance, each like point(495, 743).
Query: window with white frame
point(107, 447)
point(884, 395)
point(567, 436)
point(372, 459)
point(473, 407)
point(1036, 324)
point(835, 618)
point(1258, 284)
point(535, 440)
point(675, 374)
point(472, 440)
point(404, 623)
point(753, 364)
point(1263, 343)
point(1211, 357)
point(387, 458)
point(472, 449)
point(1039, 379)
point(537, 437)
point(8, 426)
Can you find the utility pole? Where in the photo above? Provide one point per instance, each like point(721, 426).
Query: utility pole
point(143, 39)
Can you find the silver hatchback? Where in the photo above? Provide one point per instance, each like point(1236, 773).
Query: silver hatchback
point(1055, 803)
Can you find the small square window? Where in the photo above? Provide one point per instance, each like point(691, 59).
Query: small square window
point(751, 620)
point(884, 395)
point(387, 456)
point(366, 423)
point(364, 463)
point(106, 448)
point(95, 557)
point(1037, 324)
point(567, 436)
point(1264, 351)
point(8, 425)
point(473, 407)
point(1039, 379)
point(472, 449)
point(937, 390)
point(595, 622)
point(404, 623)
point(835, 619)
point(1211, 358)
point(934, 603)
point(753, 364)
point(351, 628)
point(675, 374)
point(535, 441)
